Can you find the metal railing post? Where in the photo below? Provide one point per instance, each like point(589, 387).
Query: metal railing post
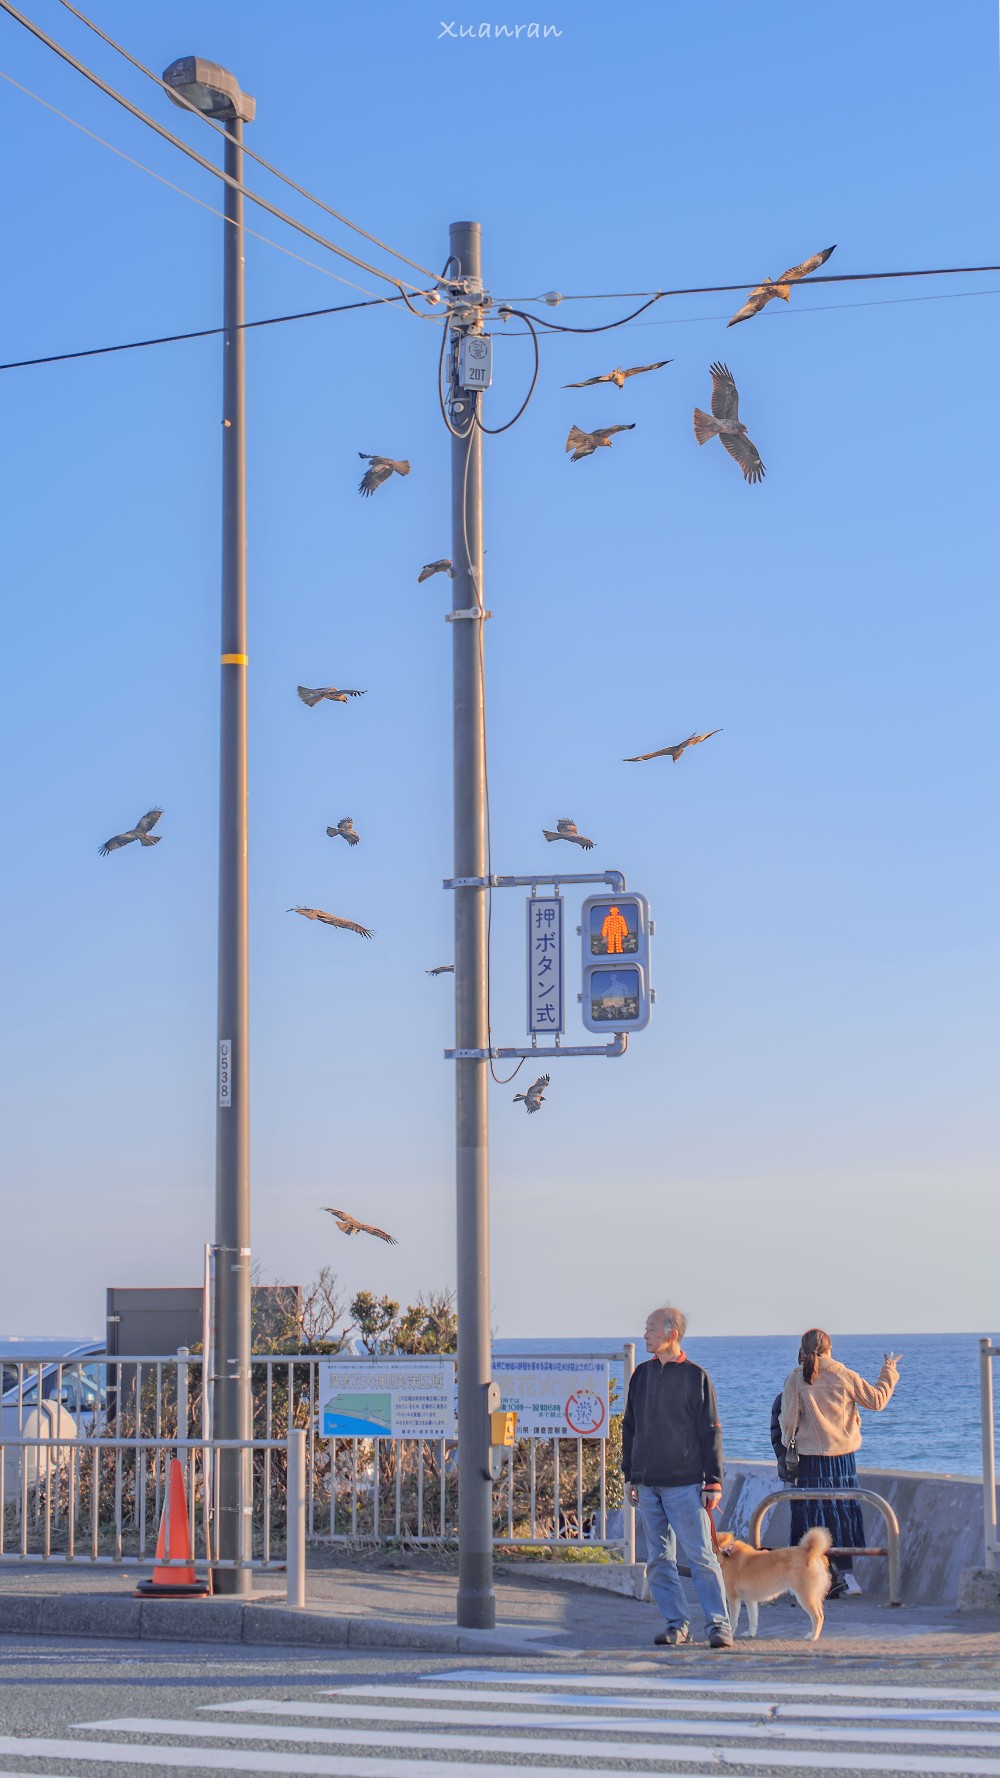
point(860, 1495)
point(295, 1560)
point(628, 1510)
point(987, 1351)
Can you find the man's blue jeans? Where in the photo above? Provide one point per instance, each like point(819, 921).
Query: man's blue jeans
point(669, 1515)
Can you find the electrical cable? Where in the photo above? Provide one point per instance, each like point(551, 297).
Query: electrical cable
point(200, 333)
point(192, 153)
point(201, 202)
point(886, 302)
point(937, 271)
point(441, 401)
point(494, 430)
point(501, 1081)
point(221, 130)
point(557, 327)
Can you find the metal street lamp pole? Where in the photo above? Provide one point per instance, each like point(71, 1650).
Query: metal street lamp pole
point(476, 1596)
point(214, 91)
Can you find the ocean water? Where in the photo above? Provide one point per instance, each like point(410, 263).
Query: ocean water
point(932, 1422)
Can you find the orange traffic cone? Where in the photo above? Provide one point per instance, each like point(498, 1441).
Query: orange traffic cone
point(173, 1542)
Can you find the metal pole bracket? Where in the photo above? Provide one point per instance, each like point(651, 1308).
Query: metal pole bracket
point(475, 612)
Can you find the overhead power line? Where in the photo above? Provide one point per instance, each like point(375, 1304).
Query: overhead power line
point(201, 202)
point(220, 129)
point(198, 333)
point(936, 271)
point(192, 153)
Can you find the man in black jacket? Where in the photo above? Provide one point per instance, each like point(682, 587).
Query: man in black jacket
point(672, 1462)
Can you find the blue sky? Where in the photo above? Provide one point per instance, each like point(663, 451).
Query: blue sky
point(804, 1131)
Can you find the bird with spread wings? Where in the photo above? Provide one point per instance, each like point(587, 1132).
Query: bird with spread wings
point(441, 969)
point(772, 287)
point(349, 1225)
point(583, 444)
point(724, 422)
point(567, 830)
point(331, 920)
point(139, 832)
point(312, 697)
point(619, 376)
point(346, 829)
point(675, 751)
point(535, 1094)
point(443, 566)
point(380, 471)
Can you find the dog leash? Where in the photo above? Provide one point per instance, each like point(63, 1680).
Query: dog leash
point(711, 1511)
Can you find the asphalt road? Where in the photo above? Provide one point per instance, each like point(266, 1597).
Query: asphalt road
point(121, 1709)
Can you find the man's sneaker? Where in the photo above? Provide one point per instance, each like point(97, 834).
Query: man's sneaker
point(850, 1584)
point(673, 1636)
point(720, 1637)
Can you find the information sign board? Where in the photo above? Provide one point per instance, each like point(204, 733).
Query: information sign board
point(546, 999)
point(387, 1398)
point(555, 1397)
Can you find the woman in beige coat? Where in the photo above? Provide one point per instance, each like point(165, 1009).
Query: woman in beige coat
point(819, 1415)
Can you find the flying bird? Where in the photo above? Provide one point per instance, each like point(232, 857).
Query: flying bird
point(772, 287)
point(312, 698)
point(139, 832)
point(725, 421)
point(675, 751)
point(568, 831)
point(586, 443)
point(535, 1095)
point(330, 920)
point(442, 969)
point(349, 1225)
point(429, 568)
point(346, 830)
point(619, 376)
point(380, 471)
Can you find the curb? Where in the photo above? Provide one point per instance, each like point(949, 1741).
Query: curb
point(231, 1621)
point(628, 1580)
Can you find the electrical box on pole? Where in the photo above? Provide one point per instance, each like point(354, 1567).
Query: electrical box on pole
point(475, 361)
point(615, 931)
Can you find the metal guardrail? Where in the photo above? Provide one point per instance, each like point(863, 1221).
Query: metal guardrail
point(75, 1495)
point(987, 1353)
point(551, 1491)
point(878, 1501)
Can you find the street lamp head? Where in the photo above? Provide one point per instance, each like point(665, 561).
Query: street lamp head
point(211, 89)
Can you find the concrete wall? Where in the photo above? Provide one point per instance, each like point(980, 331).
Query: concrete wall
point(940, 1522)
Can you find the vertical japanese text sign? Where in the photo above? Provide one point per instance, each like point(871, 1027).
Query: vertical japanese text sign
point(545, 964)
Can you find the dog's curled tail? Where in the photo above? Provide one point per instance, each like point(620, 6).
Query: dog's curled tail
point(816, 1541)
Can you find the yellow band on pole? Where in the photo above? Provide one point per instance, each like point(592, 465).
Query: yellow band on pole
point(234, 660)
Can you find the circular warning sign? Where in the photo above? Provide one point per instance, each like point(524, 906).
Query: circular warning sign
point(585, 1412)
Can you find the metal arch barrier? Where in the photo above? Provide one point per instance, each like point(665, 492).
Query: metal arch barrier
point(987, 1352)
point(878, 1501)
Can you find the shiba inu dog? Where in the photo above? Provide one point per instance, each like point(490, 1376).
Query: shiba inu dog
point(753, 1577)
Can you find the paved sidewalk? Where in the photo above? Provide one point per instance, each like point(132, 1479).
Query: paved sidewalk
point(408, 1608)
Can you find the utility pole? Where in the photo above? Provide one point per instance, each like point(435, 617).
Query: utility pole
point(199, 85)
point(476, 1596)
point(232, 1411)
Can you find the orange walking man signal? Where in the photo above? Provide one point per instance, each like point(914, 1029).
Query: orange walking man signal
point(613, 929)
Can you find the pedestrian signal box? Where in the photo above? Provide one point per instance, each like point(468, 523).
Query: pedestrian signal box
point(615, 932)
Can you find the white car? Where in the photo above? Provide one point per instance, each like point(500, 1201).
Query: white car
point(70, 1402)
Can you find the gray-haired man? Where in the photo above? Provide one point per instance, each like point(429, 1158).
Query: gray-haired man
point(672, 1462)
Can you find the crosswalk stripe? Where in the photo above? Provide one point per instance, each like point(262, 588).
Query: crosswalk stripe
point(418, 1712)
point(312, 1765)
point(490, 1740)
point(301, 1765)
point(755, 1712)
point(414, 1693)
point(940, 1694)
